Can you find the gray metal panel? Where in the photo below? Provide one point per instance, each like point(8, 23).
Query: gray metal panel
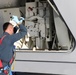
point(62, 32)
point(1, 22)
point(68, 12)
point(45, 62)
point(11, 3)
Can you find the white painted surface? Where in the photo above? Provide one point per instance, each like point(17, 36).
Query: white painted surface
point(62, 32)
point(68, 11)
point(46, 62)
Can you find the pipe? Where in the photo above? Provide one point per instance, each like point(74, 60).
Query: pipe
point(53, 7)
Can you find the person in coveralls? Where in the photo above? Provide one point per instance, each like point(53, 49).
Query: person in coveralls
point(7, 40)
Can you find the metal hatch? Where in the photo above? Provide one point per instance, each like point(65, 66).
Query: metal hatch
point(67, 10)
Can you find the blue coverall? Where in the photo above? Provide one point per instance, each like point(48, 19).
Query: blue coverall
point(7, 46)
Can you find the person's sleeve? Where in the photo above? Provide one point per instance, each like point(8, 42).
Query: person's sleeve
point(22, 32)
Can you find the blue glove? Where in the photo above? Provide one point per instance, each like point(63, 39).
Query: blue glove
point(18, 21)
point(21, 19)
point(15, 19)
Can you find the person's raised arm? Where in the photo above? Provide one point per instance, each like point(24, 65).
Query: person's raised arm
point(22, 32)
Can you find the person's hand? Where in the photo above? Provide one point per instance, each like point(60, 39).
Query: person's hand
point(16, 21)
point(13, 23)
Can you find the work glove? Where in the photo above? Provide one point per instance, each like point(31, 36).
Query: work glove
point(21, 19)
point(16, 21)
point(13, 23)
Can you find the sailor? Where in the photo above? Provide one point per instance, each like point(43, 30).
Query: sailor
point(7, 45)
